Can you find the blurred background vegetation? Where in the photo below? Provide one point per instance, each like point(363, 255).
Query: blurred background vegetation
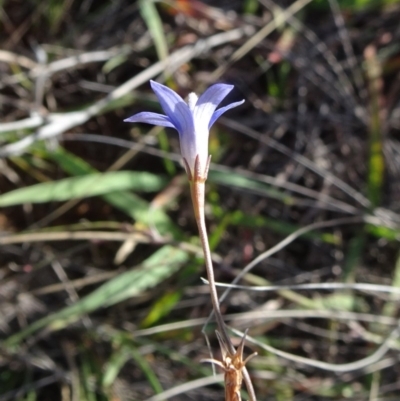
point(100, 263)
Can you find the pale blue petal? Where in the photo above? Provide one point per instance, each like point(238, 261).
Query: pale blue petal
point(209, 101)
point(150, 118)
point(218, 113)
point(174, 107)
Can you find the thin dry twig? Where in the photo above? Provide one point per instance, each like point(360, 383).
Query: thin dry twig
point(315, 286)
point(186, 387)
point(277, 22)
point(274, 315)
point(339, 368)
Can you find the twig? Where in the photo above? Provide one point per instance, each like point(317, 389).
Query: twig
point(260, 35)
point(73, 236)
point(339, 368)
point(315, 286)
point(186, 387)
point(27, 123)
point(12, 58)
point(273, 315)
point(37, 69)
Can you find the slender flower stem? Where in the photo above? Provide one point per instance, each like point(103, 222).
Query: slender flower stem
point(197, 189)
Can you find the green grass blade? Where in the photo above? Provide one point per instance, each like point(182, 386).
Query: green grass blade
point(239, 181)
point(129, 203)
point(388, 233)
point(83, 187)
point(353, 258)
point(147, 370)
point(125, 349)
point(376, 163)
point(113, 366)
point(161, 308)
point(70, 163)
point(391, 307)
point(153, 21)
point(250, 7)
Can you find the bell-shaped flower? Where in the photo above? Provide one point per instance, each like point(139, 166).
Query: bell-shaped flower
point(192, 120)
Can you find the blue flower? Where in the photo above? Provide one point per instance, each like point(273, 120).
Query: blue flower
point(192, 120)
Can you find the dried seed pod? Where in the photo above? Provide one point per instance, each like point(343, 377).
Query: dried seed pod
point(232, 364)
